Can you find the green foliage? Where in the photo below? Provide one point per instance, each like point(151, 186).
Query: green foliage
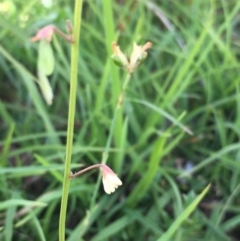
point(177, 132)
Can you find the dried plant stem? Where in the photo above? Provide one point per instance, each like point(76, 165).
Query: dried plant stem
point(85, 170)
point(63, 35)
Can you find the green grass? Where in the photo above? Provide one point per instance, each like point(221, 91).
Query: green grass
point(182, 108)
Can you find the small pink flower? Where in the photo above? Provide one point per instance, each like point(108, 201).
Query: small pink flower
point(44, 33)
point(110, 180)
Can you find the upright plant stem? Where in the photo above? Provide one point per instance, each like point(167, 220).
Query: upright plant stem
point(119, 105)
point(110, 136)
point(71, 115)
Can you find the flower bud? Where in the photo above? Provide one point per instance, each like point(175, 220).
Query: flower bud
point(69, 27)
point(138, 55)
point(118, 57)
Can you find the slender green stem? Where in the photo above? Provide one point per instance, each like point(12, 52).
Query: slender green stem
point(71, 115)
point(119, 105)
point(110, 136)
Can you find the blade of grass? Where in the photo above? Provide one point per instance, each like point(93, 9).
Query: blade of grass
point(54, 172)
point(183, 216)
point(147, 177)
point(113, 228)
point(27, 77)
point(165, 114)
point(212, 158)
point(20, 202)
point(7, 144)
point(115, 83)
point(8, 229)
point(35, 222)
point(5, 115)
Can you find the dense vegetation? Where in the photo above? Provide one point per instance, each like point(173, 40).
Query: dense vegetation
point(177, 132)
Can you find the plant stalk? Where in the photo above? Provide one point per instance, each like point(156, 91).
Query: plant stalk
point(71, 115)
point(85, 170)
point(110, 136)
point(119, 105)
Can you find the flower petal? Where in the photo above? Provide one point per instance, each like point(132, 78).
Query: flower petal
point(44, 33)
point(110, 180)
point(108, 187)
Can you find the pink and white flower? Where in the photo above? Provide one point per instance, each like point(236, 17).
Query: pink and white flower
point(44, 33)
point(110, 180)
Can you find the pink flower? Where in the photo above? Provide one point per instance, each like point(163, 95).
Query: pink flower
point(48, 31)
point(44, 33)
point(110, 180)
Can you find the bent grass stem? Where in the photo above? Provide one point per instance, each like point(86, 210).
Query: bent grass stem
point(85, 170)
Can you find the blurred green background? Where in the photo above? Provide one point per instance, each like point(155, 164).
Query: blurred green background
point(188, 83)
